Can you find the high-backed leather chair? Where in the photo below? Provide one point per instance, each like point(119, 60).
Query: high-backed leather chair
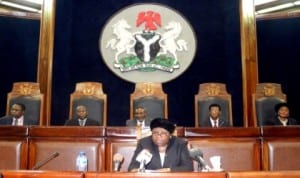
point(266, 96)
point(91, 95)
point(210, 93)
point(29, 94)
point(263, 174)
point(150, 96)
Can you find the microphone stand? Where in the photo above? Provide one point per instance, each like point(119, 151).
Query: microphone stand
point(43, 162)
point(116, 166)
point(202, 168)
point(142, 166)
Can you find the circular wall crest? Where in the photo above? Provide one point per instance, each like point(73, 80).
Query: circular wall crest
point(147, 43)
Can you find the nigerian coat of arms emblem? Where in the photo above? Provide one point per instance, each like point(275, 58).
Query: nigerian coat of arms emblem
point(147, 42)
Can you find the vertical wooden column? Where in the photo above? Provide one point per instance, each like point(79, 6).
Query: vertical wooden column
point(45, 58)
point(249, 57)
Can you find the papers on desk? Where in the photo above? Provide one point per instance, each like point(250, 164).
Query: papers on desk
point(216, 163)
point(216, 170)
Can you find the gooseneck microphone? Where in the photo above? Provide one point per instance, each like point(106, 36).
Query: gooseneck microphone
point(117, 160)
point(45, 161)
point(197, 155)
point(144, 157)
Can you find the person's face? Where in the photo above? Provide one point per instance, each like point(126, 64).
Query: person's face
point(16, 111)
point(81, 112)
point(140, 113)
point(283, 112)
point(214, 112)
point(160, 136)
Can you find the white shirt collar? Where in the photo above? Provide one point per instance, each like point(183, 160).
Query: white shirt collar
point(83, 120)
point(212, 121)
point(19, 121)
point(142, 124)
point(284, 122)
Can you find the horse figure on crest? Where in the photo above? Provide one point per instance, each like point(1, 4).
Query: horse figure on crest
point(123, 42)
point(169, 42)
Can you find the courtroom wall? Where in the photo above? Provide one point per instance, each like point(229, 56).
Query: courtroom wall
point(19, 39)
point(77, 58)
point(278, 56)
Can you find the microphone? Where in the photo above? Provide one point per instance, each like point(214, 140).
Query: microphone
point(117, 160)
point(144, 157)
point(197, 155)
point(45, 161)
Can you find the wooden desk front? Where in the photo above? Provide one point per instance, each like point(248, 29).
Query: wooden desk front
point(239, 148)
point(281, 147)
point(156, 175)
point(75, 174)
point(14, 147)
point(68, 142)
point(40, 174)
point(264, 174)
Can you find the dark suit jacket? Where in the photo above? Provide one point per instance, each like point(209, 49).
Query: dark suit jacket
point(7, 120)
point(75, 122)
point(177, 155)
point(133, 122)
point(222, 123)
point(276, 121)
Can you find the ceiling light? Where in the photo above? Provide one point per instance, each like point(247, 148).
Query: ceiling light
point(297, 3)
point(275, 8)
point(260, 2)
point(40, 2)
point(18, 6)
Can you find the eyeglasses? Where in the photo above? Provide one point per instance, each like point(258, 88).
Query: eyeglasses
point(162, 134)
point(139, 113)
point(16, 110)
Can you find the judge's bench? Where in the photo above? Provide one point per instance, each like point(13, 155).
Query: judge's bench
point(245, 152)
